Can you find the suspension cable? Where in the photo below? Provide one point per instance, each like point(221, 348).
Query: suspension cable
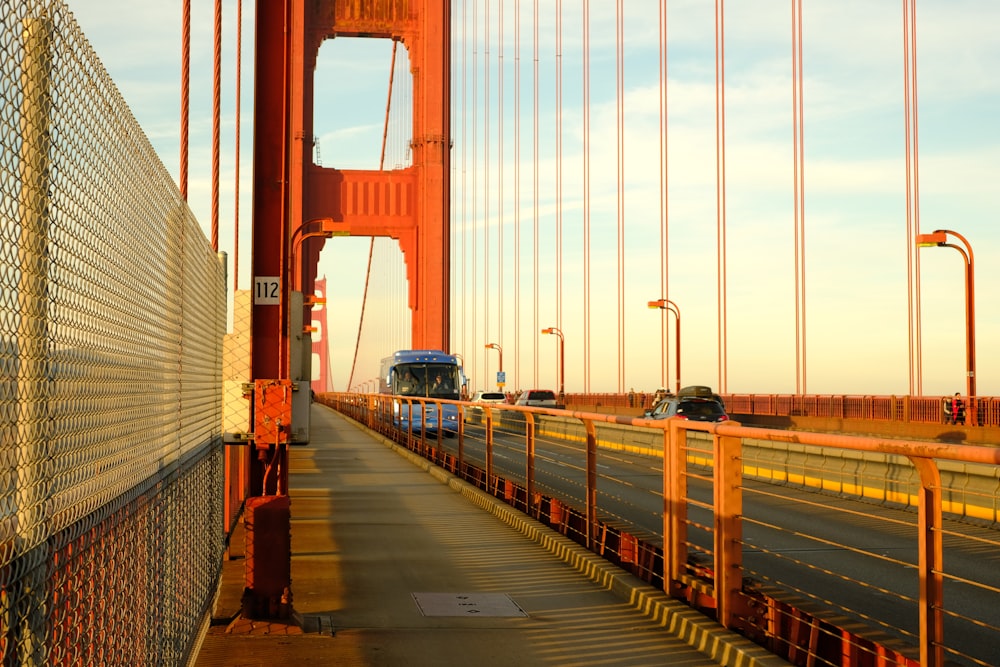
point(185, 93)
point(799, 200)
point(620, 109)
point(517, 192)
point(534, 199)
point(664, 242)
point(912, 193)
point(720, 181)
point(236, 166)
point(586, 196)
point(216, 119)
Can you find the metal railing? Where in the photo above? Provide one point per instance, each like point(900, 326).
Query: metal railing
point(111, 322)
point(826, 549)
point(979, 410)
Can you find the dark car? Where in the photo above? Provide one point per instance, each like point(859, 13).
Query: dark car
point(695, 408)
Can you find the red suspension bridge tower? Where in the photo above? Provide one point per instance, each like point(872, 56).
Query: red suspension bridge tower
point(296, 204)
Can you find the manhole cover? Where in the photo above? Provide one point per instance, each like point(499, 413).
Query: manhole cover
point(467, 604)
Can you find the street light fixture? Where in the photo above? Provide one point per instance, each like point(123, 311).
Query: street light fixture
point(667, 304)
point(327, 229)
point(940, 238)
point(562, 361)
point(496, 346)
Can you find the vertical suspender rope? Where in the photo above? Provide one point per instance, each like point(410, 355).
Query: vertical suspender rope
point(216, 113)
point(586, 196)
point(486, 184)
point(664, 217)
point(185, 93)
point(720, 183)
point(475, 181)
point(463, 318)
point(620, 113)
point(517, 192)
point(236, 164)
point(559, 180)
point(912, 195)
point(500, 146)
point(799, 200)
point(534, 199)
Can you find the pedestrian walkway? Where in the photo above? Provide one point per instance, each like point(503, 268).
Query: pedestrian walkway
point(396, 562)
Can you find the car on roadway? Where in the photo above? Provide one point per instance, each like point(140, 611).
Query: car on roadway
point(475, 414)
point(488, 397)
point(693, 403)
point(541, 398)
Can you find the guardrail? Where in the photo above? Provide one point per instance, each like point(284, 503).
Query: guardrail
point(705, 531)
point(979, 410)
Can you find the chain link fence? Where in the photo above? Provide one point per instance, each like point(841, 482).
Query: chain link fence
point(112, 313)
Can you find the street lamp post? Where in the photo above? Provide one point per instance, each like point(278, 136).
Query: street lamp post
point(327, 229)
point(562, 361)
point(667, 304)
point(940, 238)
point(496, 346)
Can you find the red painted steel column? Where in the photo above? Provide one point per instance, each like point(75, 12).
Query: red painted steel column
point(267, 516)
point(430, 56)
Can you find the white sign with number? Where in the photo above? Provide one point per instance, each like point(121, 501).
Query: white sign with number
point(266, 291)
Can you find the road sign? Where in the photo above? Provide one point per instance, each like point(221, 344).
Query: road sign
point(501, 377)
point(266, 291)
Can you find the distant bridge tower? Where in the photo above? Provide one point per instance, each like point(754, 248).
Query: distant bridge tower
point(320, 343)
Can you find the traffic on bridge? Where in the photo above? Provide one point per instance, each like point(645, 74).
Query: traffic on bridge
point(479, 231)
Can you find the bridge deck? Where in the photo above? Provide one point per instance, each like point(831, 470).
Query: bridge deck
point(395, 566)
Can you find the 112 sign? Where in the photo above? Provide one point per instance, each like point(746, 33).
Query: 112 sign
point(266, 291)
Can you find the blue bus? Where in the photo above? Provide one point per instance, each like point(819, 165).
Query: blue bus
point(426, 374)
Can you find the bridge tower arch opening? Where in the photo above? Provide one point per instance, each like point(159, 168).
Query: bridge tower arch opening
point(408, 198)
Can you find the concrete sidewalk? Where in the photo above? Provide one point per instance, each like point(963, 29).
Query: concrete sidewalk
point(395, 562)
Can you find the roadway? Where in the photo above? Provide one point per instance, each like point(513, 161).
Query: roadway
point(396, 562)
point(844, 557)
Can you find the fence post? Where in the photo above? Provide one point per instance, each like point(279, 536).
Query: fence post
point(27, 593)
point(529, 452)
point(674, 506)
point(728, 457)
point(930, 565)
point(588, 425)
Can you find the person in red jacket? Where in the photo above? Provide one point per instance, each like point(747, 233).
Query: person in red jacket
point(956, 410)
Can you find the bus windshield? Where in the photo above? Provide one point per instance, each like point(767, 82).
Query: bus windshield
point(426, 379)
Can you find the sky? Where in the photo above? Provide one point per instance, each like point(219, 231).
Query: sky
point(856, 247)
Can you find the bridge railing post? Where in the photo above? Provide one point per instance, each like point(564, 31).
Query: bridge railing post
point(728, 490)
point(674, 508)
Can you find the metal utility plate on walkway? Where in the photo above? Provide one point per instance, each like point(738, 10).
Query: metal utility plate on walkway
point(467, 604)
